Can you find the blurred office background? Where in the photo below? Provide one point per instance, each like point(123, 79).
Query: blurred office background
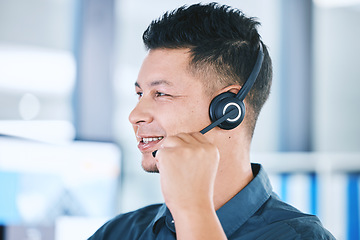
point(68, 156)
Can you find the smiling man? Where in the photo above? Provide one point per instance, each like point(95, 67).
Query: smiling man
point(201, 59)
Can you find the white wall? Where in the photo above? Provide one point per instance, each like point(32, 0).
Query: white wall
point(336, 79)
point(46, 23)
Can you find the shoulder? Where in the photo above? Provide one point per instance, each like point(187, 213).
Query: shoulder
point(127, 225)
point(309, 227)
point(289, 221)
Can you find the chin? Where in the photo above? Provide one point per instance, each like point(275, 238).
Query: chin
point(148, 164)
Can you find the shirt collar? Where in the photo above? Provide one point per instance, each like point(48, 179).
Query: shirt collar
point(236, 211)
point(163, 216)
point(244, 204)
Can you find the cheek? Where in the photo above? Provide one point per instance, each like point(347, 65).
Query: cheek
point(186, 119)
point(175, 121)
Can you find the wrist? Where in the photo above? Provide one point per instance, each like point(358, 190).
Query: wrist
point(200, 222)
point(192, 210)
point(194, 203)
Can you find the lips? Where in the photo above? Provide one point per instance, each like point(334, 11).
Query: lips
point(147, 144)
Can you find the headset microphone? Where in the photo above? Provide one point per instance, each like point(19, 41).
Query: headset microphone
point(227, 110)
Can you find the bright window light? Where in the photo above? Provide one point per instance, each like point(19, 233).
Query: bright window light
point(337, 3)
point(36, 69)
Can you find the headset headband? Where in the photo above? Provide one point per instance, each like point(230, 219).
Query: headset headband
point(253, 75)
point(243, 91)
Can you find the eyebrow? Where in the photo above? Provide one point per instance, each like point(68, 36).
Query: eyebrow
point(156, 83)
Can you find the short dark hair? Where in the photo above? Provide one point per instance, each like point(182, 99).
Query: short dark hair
point(221, 39)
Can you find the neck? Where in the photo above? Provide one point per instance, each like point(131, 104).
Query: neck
point(234, 173)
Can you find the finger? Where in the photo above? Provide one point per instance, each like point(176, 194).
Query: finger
point(184, 138)
point(187, 138)
point(199, 137)
point(172, 141)
point(161, 155)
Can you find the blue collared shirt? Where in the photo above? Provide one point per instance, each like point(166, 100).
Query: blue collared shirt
point(254, 213)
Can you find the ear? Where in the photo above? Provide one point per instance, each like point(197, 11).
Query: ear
point(235, 88)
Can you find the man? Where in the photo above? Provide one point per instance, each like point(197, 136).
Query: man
point(210, 188)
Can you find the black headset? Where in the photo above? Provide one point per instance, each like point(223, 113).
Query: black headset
point(227, 110)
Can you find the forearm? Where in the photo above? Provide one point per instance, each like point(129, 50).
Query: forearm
point(200, 223)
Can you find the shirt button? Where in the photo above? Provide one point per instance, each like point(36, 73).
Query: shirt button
point(172, 221)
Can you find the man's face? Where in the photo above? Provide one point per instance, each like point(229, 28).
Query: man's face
point(171, 101)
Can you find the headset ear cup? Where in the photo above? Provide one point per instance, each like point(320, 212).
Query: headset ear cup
point(224, 103)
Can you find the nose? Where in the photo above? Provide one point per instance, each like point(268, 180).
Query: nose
point(141, 113)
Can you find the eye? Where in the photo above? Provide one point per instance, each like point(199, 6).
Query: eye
point(160, 94)
point(139, 94)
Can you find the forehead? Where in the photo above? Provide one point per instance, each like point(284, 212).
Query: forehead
point(167, 67)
